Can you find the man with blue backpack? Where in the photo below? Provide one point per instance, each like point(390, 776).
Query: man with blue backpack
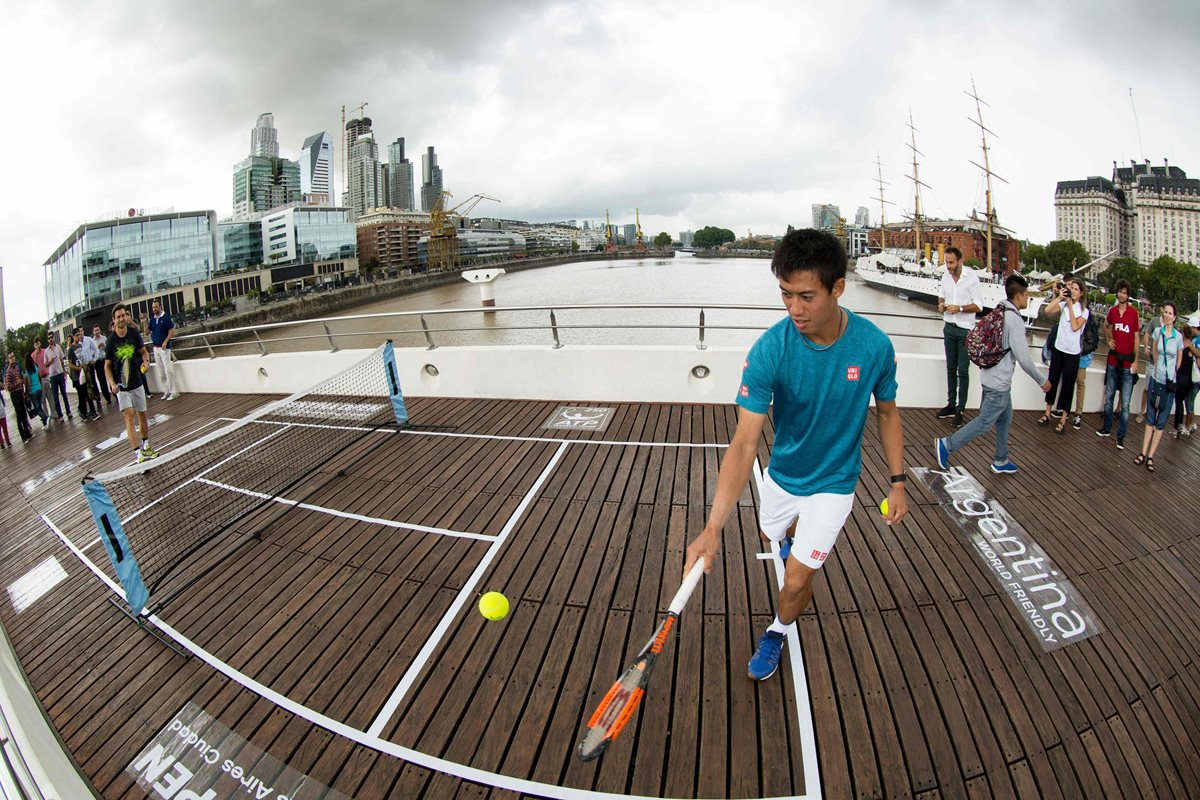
point(996, 344)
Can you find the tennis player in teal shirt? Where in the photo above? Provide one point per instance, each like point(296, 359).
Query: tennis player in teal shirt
point(819, 367)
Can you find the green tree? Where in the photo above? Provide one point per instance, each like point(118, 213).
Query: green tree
point(710, 237)
point(1061, 252)
point(574, 246)
point(1125, 268)
point(1033, 254)
point(1168, 279)
point(662, 241)
point(20, 340)
point(973, 263)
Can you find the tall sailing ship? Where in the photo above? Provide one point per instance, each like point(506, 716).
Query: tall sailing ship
point(907, 267)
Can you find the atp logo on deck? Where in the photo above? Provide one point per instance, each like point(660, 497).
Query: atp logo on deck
point(578, 418)
point(851, 373)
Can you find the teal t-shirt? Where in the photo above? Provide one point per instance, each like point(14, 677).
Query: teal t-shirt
point(821, 399)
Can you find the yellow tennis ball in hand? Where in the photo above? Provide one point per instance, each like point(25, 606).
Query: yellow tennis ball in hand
point(883, 507)
point(493, 605)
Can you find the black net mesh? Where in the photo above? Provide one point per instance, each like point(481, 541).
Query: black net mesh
point(191, 499)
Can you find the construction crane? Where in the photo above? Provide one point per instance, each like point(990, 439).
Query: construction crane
point(443, 230)
point(610, 246)
point(640, 247)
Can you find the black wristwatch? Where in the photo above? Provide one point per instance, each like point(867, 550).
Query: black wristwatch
point(901, 478)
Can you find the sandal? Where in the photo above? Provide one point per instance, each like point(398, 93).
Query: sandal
point(1141, 459)
point(1150, 464)
point(1062, 424)
point(1043, 419)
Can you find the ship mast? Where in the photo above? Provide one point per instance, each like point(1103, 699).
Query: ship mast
point(985, 166)
point(917, 184)
point(882, 204)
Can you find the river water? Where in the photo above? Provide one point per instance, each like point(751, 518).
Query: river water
point(915, 327)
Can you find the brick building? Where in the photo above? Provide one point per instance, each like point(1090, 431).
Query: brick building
point(968, 235)
point(387, 238)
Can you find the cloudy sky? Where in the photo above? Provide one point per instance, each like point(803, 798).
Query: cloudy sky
point(700, 113)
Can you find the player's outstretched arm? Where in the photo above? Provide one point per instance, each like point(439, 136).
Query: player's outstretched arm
point(731, 480)
point(891, 437)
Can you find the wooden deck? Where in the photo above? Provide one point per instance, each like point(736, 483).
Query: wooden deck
point(920, 677)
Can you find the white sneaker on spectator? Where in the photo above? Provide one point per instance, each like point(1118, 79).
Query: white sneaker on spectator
point(172, 396)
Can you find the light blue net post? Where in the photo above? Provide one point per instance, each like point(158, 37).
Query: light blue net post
point(112, 534)
point(393, 385)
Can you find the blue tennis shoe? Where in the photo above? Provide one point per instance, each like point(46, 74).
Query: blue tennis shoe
point(766, 658)
point(785, 548)
point(943, 455)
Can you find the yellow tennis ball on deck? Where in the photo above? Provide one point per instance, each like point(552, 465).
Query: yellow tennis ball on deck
point(883, 507)
point(493, 605)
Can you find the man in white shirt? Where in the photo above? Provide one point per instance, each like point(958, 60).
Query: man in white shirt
point(960, 298)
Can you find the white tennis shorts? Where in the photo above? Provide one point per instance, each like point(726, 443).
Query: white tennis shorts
point(819, 519)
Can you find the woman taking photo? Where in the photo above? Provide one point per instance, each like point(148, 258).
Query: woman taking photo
point(1160, 393)
point(1068, 306)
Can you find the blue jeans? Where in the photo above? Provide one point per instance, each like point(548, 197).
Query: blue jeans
point(996, 409)
point(1158, 404)
point(1116, 380)
point(58, 386)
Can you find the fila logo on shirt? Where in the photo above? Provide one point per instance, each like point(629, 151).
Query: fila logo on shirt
point(851, 373)
point(1122, 327)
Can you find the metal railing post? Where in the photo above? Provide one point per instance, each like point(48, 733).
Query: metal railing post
point(554, 330)
point(262, 347)
point(211, 354)
point(702, 345)
point(428, 337)
point(332, 343)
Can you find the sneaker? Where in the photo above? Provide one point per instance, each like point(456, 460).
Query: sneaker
point(172, 396)
point(947, 412)
point(785, 548)
point(766, 658)
point(1141, 418)
point(942, 454)
point(146, 453)
point(1120, 442)
point(1104, 432)
point(958, 420)
point(1008, 468)
point(1185, 431)
point(1075, 423)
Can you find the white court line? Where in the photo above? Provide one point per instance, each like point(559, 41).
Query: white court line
point(189, 481)
point(314, 425)
point(454, 769)
point(465, 594)
point(412, 526)
point(804, 720)
point(494, 436)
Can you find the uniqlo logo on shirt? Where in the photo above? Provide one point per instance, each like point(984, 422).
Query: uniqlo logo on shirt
point(746, 364)
point(817, 555)
point(851, 373)
point(744, 392)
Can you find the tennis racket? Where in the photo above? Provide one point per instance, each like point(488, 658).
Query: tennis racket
point(618, 705)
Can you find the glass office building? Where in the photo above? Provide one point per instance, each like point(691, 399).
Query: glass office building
point(306, 234)
point(102, 263)
point(239, 245)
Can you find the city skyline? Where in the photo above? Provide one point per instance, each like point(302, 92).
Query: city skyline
point(742, 121)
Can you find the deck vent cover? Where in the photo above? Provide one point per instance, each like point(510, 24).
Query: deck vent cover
point(700, 372)
point(431, 370)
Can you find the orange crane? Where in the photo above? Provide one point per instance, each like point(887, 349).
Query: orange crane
point(640, 247)
point(443, 230)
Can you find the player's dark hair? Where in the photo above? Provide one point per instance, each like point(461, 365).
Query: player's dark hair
point(810, 250)
point(117, 308)
point(1015, 284)
point(956, 251)
point(1122, 284)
